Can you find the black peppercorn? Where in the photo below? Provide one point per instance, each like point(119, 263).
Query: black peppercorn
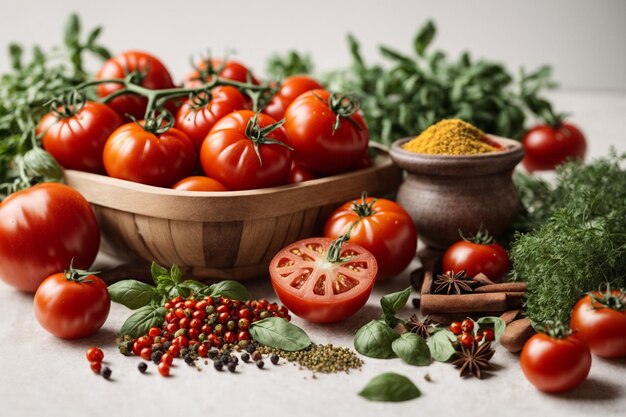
point(274, 359)
point(166, 345)
point(156, 357)
point(251, 348)
point(189, 360)
point(245, 357)
point(232, 366)
point(218, 365)
point(142, 367)
point(260, 364)
point(106, 372)
point(213, 352)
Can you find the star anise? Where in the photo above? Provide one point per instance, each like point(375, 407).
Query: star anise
point(457, 283)
point(474, 359)
point(419, 327)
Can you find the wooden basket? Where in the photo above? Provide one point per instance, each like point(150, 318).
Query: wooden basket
point(220, 235)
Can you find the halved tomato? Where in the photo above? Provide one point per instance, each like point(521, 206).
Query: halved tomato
point(318, 288)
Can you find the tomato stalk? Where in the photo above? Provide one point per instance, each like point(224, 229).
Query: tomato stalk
point(609, 299)
point(554, 328)
point(334, 251)
point(344, 106)
point(258, 135)
point(482, 236)
point(364, 209)
point(78, 275)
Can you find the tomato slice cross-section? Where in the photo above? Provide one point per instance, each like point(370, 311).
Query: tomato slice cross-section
point(319, 290)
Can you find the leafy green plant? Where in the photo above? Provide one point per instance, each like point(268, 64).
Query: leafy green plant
point(577, 238)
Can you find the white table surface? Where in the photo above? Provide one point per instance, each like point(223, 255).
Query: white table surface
point(43, 375)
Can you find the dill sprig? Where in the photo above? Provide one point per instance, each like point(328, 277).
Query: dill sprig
point(577, 241)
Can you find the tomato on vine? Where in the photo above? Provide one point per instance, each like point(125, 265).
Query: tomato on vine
point(328, 133)
point(555, 361)
point(145, 70)
point(198, 114)
point(247, 150)
point(321, 280)
point(290, 89)
point(73, 304)
point(42, 228)
point(477, 254)
point(229, 69)
point(599, 318)
point(75, 132)
point(149, 152)
point(382, 227)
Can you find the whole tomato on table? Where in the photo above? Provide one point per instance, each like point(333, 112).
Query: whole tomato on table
point(148, 72)
point(290, 89)
point(478, 254)
point(197, 115)
point(147, 153)
point(323, 280)
point(379, 225)
point(247, 150)
point(599, 318)
point(72, 304)
point(546, 146)
point(75, 133)
point(42, 228)
point(327, 132)
point(555, 361)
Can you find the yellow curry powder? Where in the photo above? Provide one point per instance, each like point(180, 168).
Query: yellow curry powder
point(450, 137)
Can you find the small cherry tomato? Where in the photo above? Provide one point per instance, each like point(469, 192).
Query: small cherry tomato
point(555, 364)
point(167, 358)
point(154, 332)
point(467, 325)
point(455, 328)
point(164, 369)
point(72, 304)
point(599, 318)
point(546, 146)
point(96, 366)
point(467, 340)
point(94, 354)
point(146, 353)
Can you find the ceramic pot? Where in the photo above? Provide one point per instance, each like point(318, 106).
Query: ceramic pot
point(444, 194)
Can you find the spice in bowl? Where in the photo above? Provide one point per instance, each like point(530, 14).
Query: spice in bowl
point(451, 137)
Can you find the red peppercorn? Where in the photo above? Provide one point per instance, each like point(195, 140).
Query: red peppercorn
point(467, 340)
point(215, 340)
point(137, 348)
point(455, 328)
point(95, 366)
point(203, 351)
point(222, 308)
point(207, 328)
point(154, 332)
point(223, 317)
point(230, 337)
point(190, 304)
point(174, 350)
point(243, 324)
point(199, 314)
point(245, 313)
point(195, 323)
point(167, 358)
point(181, 341)
point(170, 317)
point(180, 313)
point(164, 369)
point(146, 353)
point(243, 335)
point(467, 326)
point(193, 334)
point(172, 327)
point(489, 335)
point(94, 354)
point(272, 308)
point(210, 300)
point(201, 305)
point(236, 304)
point(225, 301)
point(179, 305)
point(184, 323)
point(178, 299)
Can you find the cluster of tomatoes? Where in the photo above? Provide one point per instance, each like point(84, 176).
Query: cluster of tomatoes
point(193, 326)
point(95, 356)
point(464, 330)
point(559, 358)
point(212, 141)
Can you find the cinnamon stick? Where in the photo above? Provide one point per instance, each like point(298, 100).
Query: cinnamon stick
point(516, 334)
point(502, 287)
point(500, 301)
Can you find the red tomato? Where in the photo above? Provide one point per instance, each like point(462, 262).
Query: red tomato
point(382, 227)
point(490, 259)
point(196, 121)
point(153, 75)
point(71, 305)
point(310, 123)
point(231, 70)
point(290, 89)
point(555, 365)
point(546, 147)
point(228, 153)
point(603, 328)
point(198, 183)
point(298, 174)
point(77, 141)
point(319, 290)
point(134, 154)
point(42, 228)
point(94, 354)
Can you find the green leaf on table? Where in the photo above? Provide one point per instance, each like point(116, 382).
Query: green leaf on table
point(374, 340)
point(440, 344)
point(229, 289)
point(278, 333)
point(142, 320)
point(496, 322)
point(390, 387)
point(131, 293)
point(412, 349)
point(392, 303)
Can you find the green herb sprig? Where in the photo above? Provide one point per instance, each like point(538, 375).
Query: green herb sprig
point(577, 241)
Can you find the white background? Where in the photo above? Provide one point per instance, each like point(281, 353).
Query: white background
point(583, 39)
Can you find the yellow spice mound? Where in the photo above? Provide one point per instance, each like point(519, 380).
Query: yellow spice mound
point(450, 137)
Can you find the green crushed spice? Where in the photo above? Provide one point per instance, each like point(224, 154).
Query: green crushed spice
point(320, 358)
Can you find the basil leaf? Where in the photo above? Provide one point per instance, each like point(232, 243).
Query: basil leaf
point(498, 325)
point(133, 294)
point(412, 349)
point(192, 285)
point(424, 37)
point(278, 333)
point(392, 303)
point(440, 344)
point(229, 289)
point(390, 387)
point(157, 271)
point(374, 340)
point(142, 320)
point(175, 273)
